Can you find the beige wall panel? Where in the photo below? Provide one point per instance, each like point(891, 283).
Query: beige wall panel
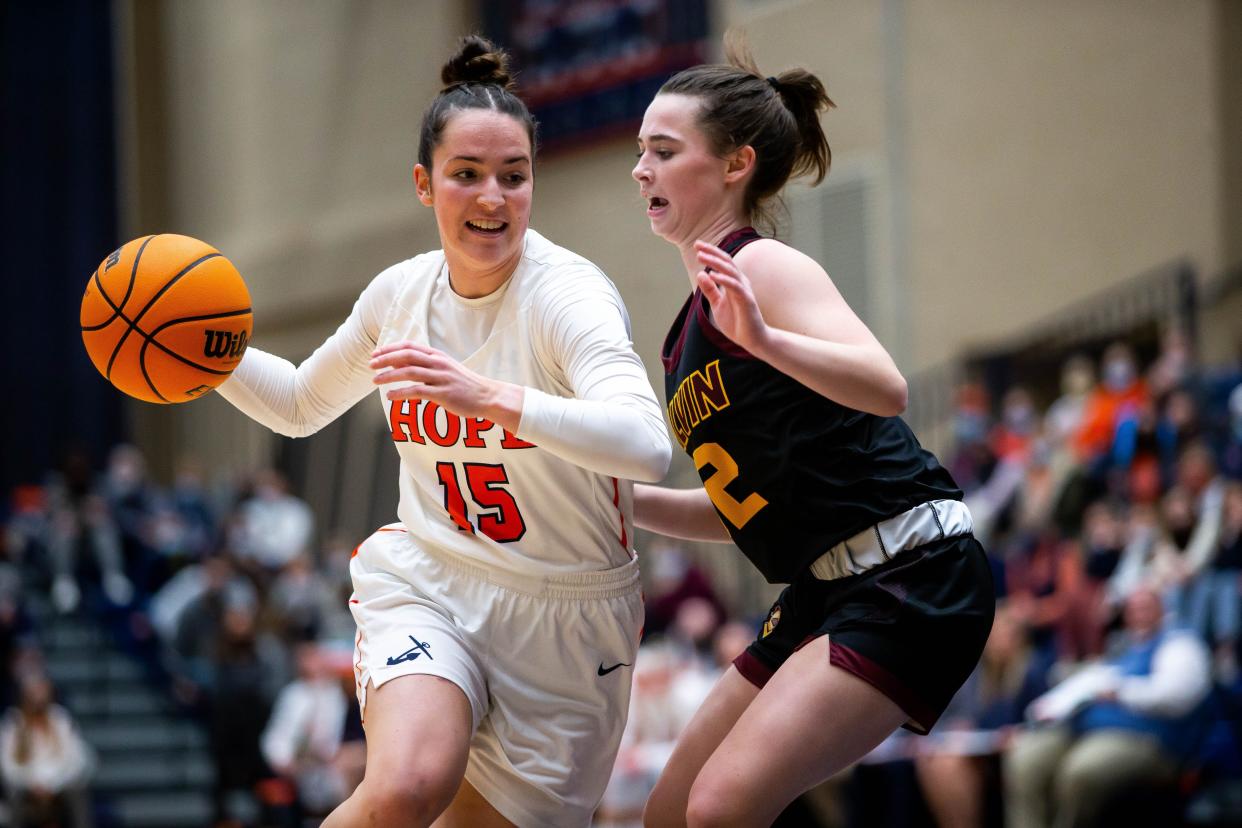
point(1228, 45)
point(1055, 148)
point(839, 40)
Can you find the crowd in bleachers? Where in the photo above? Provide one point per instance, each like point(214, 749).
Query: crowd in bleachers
point(227, 600)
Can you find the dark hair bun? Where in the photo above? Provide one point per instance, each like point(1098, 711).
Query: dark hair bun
point(478, 60)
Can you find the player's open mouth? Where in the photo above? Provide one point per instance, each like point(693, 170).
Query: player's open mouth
point(655, 205)
point(487, 228)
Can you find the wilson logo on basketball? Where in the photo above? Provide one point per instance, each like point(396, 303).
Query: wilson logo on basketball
point(224, 344)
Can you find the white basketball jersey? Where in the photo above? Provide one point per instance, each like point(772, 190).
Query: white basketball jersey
point(475, 490)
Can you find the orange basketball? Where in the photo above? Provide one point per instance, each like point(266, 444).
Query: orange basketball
point(166, 318)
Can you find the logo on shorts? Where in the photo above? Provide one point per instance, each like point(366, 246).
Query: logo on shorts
point(412, 654)
point(774, 618)
point(603, 671)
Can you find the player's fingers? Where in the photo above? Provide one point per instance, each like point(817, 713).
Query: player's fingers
point(707, 284)
point(404, 356)
point(413, 391)
point(403, 345)
point(708, 246)
point(716, 261)
point(731, 290)
point(404, 373)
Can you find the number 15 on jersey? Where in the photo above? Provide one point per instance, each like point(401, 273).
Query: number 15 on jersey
point(496, 513)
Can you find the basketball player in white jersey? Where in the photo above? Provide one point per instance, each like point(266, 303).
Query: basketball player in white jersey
point(499, 619)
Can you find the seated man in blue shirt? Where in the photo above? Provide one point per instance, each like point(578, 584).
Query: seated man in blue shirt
point(1130, 719)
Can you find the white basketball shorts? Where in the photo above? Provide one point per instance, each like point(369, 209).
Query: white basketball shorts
point(545, 661)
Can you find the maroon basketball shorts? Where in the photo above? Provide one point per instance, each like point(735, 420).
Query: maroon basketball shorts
point(913, 627)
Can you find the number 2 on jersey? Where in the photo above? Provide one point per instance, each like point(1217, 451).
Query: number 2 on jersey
point(736, 512)
point(499, 517)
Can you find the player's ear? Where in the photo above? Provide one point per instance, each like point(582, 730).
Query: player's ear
point(739, 164)
point(422, 184)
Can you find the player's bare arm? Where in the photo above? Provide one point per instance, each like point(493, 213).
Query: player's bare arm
point(679, 513)
point(780, 305)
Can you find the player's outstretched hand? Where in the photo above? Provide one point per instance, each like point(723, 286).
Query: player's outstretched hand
point(728, 291)
point(423, 372)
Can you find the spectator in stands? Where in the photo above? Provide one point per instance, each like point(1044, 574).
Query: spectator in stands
point(304, 739)
point(1215, 600)
point(1011, 437)
point(246, 673)
point(199, 624)
point(1231, 443)
point(1124, 722)
point(1009, 446)
point(131, 500)
point(1064, 416)
point(15, 623)
point(80, 520)
point(957, 761)
point(1042, 575)
point(1180, 424)
point(674, 580)
point(192, 503)
point(1175, 366)
point(1099, 553)
point(44, 761)
point(1120, 389)
point(180, 529)
point(1139, 566)
point(971, 461)
point(1133, 470)
point(1196, 475)
point(694, 628)
point(270, 528)
point(299, 602)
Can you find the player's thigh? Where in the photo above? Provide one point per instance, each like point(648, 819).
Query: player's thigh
point(727, 701)
point(418, 730)
point(811, 720)
point(470, 810)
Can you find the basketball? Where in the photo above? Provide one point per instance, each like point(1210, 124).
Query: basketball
point(166, 318)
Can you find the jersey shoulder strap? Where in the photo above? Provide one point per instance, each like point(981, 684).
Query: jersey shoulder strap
point(738, 239)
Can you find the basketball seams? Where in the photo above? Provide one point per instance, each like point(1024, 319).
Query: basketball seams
point(150, 340)
point(138, 318)
point(117, 310)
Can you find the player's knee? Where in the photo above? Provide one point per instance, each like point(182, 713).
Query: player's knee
point(714, 806)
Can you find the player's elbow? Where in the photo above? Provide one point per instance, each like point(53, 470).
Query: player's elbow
point(296, 429)
point(888, 397)
point(653, 465)
point(898, 395)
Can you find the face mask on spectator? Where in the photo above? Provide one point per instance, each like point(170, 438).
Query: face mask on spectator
point(1118, 374)
point(969, 426)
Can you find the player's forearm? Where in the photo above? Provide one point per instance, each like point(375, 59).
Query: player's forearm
point(271, 391)
point(856, 376)
point(680, 513)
